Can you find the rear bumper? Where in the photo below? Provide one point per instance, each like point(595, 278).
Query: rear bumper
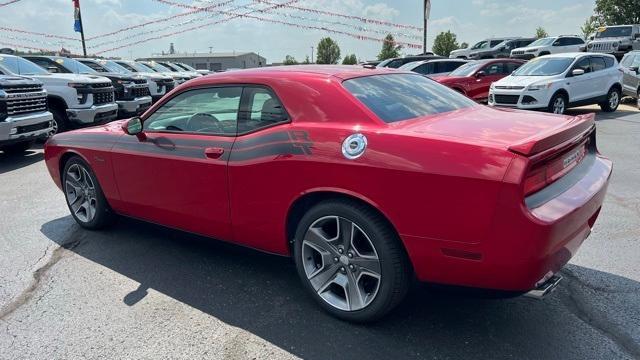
point(28, 127)
point(525, 247)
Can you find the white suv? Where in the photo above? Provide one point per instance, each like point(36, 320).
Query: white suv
point(548, 46)
point(557, 82)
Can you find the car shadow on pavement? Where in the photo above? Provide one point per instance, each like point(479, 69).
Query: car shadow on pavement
point(262, 294)
point(17, 161)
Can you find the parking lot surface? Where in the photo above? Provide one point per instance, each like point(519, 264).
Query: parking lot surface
point(142, 291)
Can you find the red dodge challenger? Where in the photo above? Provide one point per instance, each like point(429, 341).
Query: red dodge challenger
point(368, 178)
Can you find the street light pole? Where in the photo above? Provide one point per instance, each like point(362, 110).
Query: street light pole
point(426, 12)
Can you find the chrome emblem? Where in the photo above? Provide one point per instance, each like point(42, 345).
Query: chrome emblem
point(354, 146)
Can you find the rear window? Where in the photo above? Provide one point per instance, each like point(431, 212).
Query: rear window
point(398, 97)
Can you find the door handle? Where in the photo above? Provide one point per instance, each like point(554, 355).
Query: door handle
point(213, 152)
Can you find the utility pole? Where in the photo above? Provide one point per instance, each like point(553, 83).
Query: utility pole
point(427, 11)
point(78, 25)
point(312, 55)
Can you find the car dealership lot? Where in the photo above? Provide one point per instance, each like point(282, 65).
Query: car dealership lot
point(141, 291)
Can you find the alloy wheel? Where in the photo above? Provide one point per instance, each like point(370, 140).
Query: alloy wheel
point(81, 193)
point(558, 105)
point(614, 99)
point(341, 263)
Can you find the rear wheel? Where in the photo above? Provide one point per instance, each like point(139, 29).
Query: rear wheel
point(84, 196)
point(351, 261)
point(558, 104)
point(612, 102)
point(59, 121)
point(17, 148)
point(638, 99)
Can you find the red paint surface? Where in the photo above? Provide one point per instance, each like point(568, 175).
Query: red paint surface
point(449, 184)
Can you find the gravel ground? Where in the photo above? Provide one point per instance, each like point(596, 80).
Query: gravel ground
point(145, 292)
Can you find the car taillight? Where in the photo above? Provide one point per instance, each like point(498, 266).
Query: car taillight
point(544, 174)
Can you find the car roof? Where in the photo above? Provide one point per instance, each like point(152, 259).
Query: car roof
point(576, 55)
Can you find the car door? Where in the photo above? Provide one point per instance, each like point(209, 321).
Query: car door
point(175, 174)
point(492, 72)
point(581, 87)
point(630, 77)
point(600, 77)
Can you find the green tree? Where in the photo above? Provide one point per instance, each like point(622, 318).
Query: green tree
point(306, 60)
point(464, 45)
point(389, 49)
point(290, 60)
point(618, 12)
point(541, 32)
point(328, 51)
point(350, 60)
point(590, 26)
point(445, 43)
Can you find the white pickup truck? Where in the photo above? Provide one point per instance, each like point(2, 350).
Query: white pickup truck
point(73, 99)
point(23, 113)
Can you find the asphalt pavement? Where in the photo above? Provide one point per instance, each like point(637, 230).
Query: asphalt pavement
point(140, 291)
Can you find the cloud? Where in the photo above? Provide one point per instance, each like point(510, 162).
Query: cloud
point(381, 11)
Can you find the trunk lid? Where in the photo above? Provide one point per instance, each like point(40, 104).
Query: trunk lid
point(523, 132)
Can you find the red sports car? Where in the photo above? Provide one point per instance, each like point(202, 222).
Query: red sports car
point(475, 78)
point(366, 177)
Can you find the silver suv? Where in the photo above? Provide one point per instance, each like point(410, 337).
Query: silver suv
point(615, 40)
point(631, 79)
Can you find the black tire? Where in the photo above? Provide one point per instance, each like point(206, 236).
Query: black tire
point(104, 216)
point(396, 272)
point(544, 53)
point(638, 99)
point(17, 148)
point(60, 121)
point(552, 104)
point(613, 100)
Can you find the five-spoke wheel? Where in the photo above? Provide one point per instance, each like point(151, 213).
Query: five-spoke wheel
point(351, 260)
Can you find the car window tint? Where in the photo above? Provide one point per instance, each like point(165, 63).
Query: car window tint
point(495, 42)
point(394, 64)
point(627, 60)
point(397, 97)
point(577, 41)
point(597, 64)
point(609, 61)
point(263, 109)
point(494, 69)
point(211, 110)
point(584, 64)
point(422, 69)
point(511, 67)
point(94, 66)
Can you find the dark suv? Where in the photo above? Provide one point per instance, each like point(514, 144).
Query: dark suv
point(501, 50)
point(630, 65)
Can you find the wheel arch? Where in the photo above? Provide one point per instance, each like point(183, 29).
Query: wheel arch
point(307, 200)
point(57, 101)
point(564, 92)
point(64, 158)
point(617, 86)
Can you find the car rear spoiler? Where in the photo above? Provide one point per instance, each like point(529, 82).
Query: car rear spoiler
point(576, 128)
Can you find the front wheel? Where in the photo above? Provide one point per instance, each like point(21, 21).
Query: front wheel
point(613, 100)
point(84, 196)
point(558, 104)
point(351, 261)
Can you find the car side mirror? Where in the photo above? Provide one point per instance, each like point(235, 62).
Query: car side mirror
point(133, 126)
point(577, 72)
point(52, 69)
point(480, 74)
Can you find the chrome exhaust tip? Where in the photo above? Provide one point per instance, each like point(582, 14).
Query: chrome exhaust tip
point(545, 288)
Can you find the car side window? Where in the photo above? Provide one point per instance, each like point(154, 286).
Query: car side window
point(609, 62)
point(627, 61)
point(494, 69)
point(636, 61)
point(260, 109)
point(577, 41)
point(94, 66)
point(210, 111)
point(597, 64)
point(584, 64)
point(422, 69)
point(511, 67)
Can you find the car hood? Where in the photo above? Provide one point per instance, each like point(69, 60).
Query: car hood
point(528, 48)
point(500, 128)
point(90, 79)
point(522, 80)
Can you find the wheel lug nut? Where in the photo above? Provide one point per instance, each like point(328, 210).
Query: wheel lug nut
point(353, 268)
point(343, 269)
point(335, 259)
point(340, 250)
point(350, 255)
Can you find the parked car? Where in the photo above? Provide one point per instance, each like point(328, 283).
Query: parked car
point(177, 69)
point(615, 40)
point(549, 45)
point(159, 84)
point(307, 162)
point(501, 50)
point(73, 99)
point(132, 91)
point(487, 47)
point(24, 117)
point(397, 62)
point(474, 78)
point(558, 82)
point(433, 68)
point(179, 78)
point(186, 67)
point(631, 78)
point(464, 53)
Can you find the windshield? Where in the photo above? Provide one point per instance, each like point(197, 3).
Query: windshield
point(170, 66)
point(466, 69)
point(74, 66)
point(544, 67)
point(542, 42)
point(479, 45)
point(113, 67)
point(157, 67)
point(409, 66)
point(617, 31)
point(141, 67)
point(186, 67)
point(398, 97)
point(384, 63)
point(20, 66)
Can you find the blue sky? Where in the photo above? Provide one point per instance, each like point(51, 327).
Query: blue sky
point(471, 20)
